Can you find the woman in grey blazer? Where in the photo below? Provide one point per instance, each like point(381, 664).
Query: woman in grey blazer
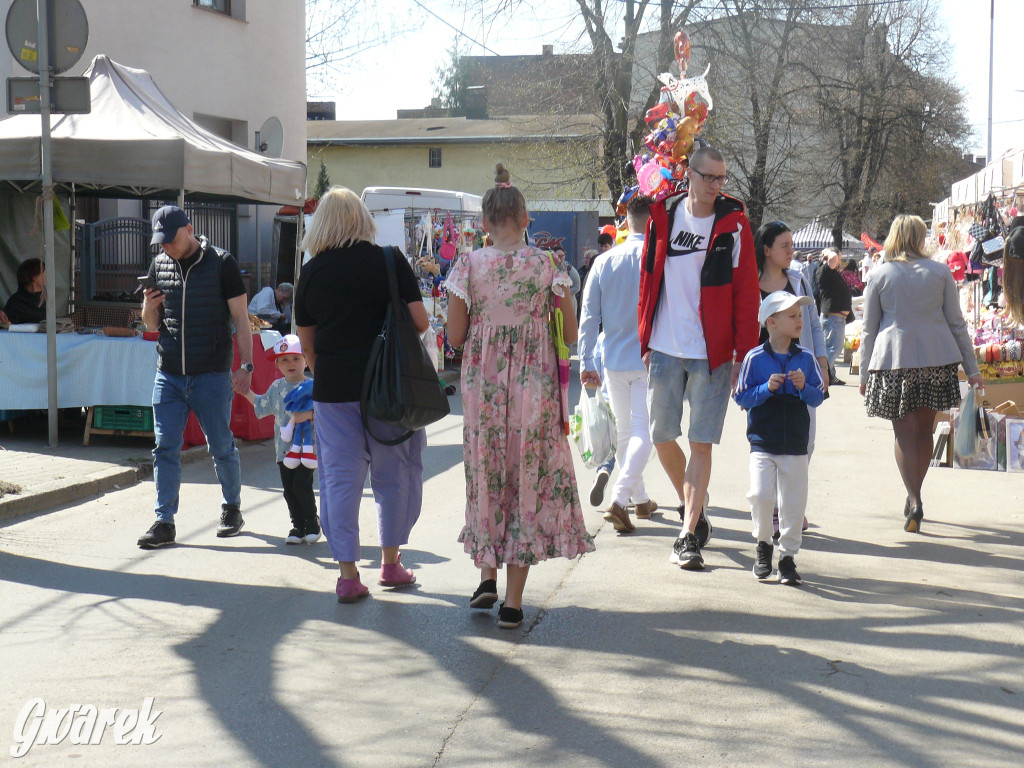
point(914, 340)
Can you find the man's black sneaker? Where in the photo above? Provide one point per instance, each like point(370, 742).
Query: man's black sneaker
point(160, 534)
point(704, 529)
point(686, 553)
point(787, 572)
point(597, 489)
point(294, 537)
point(231, 521)
point(837, 383)
point(763, 560)
point(486, 595)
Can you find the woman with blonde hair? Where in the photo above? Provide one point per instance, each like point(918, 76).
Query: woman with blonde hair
point(340, 303)
point(914, 340)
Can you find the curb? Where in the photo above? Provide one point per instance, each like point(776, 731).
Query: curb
point(49, 496)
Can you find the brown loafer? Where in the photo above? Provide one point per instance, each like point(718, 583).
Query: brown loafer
point(618, 516)
point(645, 509)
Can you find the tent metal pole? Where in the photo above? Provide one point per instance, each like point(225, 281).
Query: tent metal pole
point(46, 157)
point(299, 221)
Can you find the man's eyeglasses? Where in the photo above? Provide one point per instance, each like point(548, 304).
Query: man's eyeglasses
point(710, 178)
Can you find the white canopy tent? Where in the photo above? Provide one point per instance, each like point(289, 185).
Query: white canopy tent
point(134, 143)
point(815, 237)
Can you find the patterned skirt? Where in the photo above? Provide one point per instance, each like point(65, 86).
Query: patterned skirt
point(894, 394)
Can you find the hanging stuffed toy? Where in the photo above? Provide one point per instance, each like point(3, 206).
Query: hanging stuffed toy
point(300, 434)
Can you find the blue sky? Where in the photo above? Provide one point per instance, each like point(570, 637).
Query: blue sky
point(405, 68)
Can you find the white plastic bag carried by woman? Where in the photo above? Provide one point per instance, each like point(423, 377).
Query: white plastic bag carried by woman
point(593, 429)
point(965, 440)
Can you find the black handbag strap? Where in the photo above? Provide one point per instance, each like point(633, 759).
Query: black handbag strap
point(396, 309)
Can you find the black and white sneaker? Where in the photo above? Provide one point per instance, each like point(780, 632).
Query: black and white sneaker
point(597, 489)
point(787, 572)
point(763, 560)
point(160, 534)
point(486, 595)
point(294, 537)
point(686, 553)
point(231, 521)
point(704, 528)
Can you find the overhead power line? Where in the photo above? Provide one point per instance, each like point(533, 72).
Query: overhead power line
point(443, 21)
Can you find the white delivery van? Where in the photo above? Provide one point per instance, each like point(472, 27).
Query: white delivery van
point(378, 199)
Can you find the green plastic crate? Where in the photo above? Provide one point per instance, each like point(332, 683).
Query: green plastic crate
point(129, 418)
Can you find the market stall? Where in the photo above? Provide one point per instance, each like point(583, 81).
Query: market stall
point(133, 143)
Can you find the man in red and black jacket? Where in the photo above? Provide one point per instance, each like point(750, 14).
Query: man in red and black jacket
point(697, 319)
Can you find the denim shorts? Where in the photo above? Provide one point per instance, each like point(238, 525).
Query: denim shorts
point(674, 379)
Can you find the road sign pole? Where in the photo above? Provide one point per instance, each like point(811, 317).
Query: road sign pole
point(46, 157)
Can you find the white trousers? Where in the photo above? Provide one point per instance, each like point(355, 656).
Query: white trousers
point(627, 395)
point(783, 479)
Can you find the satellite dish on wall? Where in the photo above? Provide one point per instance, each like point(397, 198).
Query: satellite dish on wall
point(270, 137)
point(67, 29)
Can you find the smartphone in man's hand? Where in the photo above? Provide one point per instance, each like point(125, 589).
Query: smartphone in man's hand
point(145, 281)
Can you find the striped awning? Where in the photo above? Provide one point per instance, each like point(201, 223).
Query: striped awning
point(815, 237)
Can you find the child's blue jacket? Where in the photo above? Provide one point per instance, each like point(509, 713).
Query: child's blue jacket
point(778, 422)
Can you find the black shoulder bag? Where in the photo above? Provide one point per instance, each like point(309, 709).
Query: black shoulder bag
point(400, 386)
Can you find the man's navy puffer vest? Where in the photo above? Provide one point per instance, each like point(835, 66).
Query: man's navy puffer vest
point(195, 333)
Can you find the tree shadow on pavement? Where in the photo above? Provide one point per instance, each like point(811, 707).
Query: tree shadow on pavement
point(235, 661)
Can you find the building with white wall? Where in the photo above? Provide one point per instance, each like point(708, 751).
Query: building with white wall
point(227, 64)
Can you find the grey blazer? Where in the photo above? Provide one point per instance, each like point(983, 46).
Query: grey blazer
point(912, 319)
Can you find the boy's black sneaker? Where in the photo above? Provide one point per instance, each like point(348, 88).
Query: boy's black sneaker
point(763, 560)
point(787, 572)
point(160, 534)
point(231, 521)
point(294, 537)
point(686, 553)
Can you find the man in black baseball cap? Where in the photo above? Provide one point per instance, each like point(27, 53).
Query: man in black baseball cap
point(199, 294)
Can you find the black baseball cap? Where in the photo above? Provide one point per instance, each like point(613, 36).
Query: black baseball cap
point(166, 223)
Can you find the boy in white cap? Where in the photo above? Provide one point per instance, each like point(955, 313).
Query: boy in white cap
point(777, 383)
point(297, 481)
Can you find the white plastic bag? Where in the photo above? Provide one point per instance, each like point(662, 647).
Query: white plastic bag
point(593, 429)
point(965, 439)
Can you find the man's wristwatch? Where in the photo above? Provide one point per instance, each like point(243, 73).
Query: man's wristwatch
point(247, 367)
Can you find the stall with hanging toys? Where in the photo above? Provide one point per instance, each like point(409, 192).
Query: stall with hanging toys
point(436, 238)
point(979, 233)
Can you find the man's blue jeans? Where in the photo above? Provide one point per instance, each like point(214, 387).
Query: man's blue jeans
point(834, 328)
point(209, 395)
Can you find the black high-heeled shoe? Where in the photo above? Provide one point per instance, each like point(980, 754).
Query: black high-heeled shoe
point(914, 518)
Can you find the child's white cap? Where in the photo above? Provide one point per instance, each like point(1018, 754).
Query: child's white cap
point(778, 302)
point(286, 345)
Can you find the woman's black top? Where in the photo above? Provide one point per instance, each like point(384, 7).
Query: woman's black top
point(24, 307)
point(344, 292)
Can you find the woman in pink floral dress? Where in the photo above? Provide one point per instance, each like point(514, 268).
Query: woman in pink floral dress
point(522, 504)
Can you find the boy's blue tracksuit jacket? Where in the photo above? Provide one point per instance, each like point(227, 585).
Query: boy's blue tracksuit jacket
point(778, 422)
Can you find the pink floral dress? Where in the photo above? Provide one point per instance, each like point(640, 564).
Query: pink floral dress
point(522, 504)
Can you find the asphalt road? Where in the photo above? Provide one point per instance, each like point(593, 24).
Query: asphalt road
point(898, 650)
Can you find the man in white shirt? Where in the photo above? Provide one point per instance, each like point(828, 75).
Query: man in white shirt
point(699, 298)
point(609, 300)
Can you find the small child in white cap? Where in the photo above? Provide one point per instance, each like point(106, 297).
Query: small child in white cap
point(777, 383)
point(296, 481)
